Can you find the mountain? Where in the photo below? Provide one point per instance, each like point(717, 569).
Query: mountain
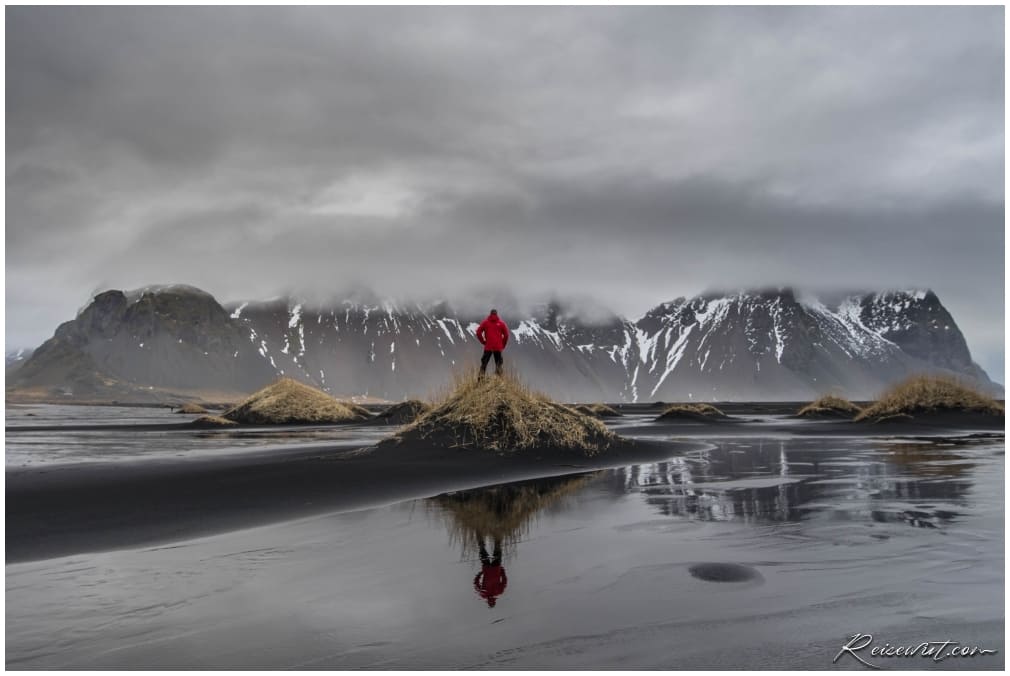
point(178, 341)
point(14, 359)
point(144, 346)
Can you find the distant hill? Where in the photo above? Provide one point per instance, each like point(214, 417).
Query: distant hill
point(15, 358)
point(169, 342)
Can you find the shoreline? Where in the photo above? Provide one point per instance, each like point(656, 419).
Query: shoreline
point(70, 509)
point(64, 509)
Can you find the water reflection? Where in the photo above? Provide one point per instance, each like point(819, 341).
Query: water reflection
point(491, 581)
point(917, 483)
point(500, 516)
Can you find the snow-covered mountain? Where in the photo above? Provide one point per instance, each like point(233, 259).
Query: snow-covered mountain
point(755, 345)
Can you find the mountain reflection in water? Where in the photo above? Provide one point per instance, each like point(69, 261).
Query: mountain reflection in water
point(920, 483)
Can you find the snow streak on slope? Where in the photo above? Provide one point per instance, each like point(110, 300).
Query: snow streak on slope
point(767, 344)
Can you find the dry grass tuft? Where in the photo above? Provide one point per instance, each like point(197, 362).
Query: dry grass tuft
point(502, 414)
point(829, 406)
point(212, 421)
point(930, 395)
point(691, 412)
point(597, 410)
point(403, 413)
point(288, 401)
point(192, 409)
point(357, 408)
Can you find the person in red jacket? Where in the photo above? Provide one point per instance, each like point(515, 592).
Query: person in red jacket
point(491, 581)
point(494, 336)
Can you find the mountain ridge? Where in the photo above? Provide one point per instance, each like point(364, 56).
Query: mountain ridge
point(763, 344)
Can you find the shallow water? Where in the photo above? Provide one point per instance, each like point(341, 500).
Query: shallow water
point(58, 447)
point(22, 415)
point(814, 540)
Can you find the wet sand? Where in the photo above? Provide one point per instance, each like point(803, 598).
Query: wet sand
point(61, 510)
point(750, 554)
point(741, 545)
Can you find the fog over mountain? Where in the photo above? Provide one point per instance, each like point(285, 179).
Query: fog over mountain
point(624, 156)
point(171, 342)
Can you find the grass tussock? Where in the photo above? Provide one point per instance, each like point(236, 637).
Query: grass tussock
point(597, 410)
point(829, 406)
point(502, 414)
point(192, 409)
point(403, 413)
point(213, 421)
point(288, 401)
point(924, 395)
point(501, 513)
point(691, 412)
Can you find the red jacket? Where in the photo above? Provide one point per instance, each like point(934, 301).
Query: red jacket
point(493, 334)
point(490, 583)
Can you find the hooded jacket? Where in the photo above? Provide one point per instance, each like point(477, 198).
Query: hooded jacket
point(493, 334)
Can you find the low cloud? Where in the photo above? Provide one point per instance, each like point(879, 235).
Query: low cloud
point(626, 155)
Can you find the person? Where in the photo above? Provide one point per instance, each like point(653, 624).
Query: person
point(491, 581)
point(494, 336)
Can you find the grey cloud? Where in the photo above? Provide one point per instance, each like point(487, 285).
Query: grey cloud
point(630, 154)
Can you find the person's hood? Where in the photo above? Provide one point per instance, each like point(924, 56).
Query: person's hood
point(494, 319)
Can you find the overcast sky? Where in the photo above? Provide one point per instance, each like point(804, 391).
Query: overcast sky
point(629, 154)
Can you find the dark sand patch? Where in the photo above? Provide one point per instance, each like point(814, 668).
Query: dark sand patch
point(724, 572)
point(57, 511)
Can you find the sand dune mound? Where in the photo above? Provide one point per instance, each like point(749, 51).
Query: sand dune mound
point(926, 397)
point(403, 413)
point(211, 421)
point(191, 409)
point(829, 406)
point(597, 410)
point(698, 412)
point(289, 402)
point(499, 413)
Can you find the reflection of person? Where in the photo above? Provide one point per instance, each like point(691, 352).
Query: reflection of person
point(490, 582)
point(494, 336)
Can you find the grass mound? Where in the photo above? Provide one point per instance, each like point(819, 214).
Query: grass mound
point(288, 401)
point(357, 408)
point(500, 413)
point(192, 409)
point(212, 421)
point(829, 406)
point(597, 410)
point(403, 413)
point(930, 395)
point(703, 412)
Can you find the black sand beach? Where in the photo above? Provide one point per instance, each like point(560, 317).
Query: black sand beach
point(62, 510)
point(264, 547)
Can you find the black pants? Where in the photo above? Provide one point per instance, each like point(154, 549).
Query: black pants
point(484, 558)
point(487, 357)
